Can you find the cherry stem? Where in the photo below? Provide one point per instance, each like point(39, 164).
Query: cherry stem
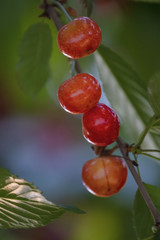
point(151, 156)
point(152, 121)
point(49, 9)
point(150, 150)
point(98, 150)
point(101, 151)
point(63, 9)
point(73, 67)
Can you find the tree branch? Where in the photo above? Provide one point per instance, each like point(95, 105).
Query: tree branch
point(49, 9)
point(123, 148)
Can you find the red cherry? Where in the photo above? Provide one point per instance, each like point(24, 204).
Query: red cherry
point(79, 93)
point(79, 38)
point(104, 176)
point(100, 125)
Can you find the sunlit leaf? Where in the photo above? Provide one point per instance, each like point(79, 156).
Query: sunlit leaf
point(23, 206)
point(126, 92)
point(154, 93)
point(34, 53)
point(142, 217)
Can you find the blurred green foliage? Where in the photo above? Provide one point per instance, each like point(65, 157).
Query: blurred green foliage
point(143, 219)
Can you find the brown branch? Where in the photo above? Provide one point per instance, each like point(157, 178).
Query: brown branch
point(51, 13)
point(148, 200)
point(49, 9)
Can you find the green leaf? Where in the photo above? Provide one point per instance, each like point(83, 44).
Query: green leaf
point(143, 220)
point(23, 206)
point(34, 53)
point(126, 91)
point(154, 93)
point(157, 236)
point(147, 1)
point(70, 208)
point(156, 129)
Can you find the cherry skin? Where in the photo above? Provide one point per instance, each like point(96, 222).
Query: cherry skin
point(104, 176)
point(79, 93)
point(100, 125)
point(79, 38)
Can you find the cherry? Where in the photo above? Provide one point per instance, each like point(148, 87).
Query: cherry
point(104, 176)
point(79, 38)
point(100, 125)
point(79, 93)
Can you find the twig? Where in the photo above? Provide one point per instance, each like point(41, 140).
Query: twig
point(136, 160)
point(150, 150)
point(148, 200)
point(63, 10)
point(151, 156)
point(152, 121)
point(51, 13)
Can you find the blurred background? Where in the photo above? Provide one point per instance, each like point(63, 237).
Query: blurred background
point(43, 144)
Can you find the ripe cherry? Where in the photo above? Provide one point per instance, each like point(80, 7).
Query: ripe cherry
point(104, 176)
point(79, 38)
point(100, 125)
point(79, 93)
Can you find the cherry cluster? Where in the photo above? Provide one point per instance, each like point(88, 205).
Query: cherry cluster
point(104, 175)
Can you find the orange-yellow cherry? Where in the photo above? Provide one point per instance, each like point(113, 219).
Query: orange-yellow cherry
point(104, 176)
point(79, 93)
point(79, 38)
